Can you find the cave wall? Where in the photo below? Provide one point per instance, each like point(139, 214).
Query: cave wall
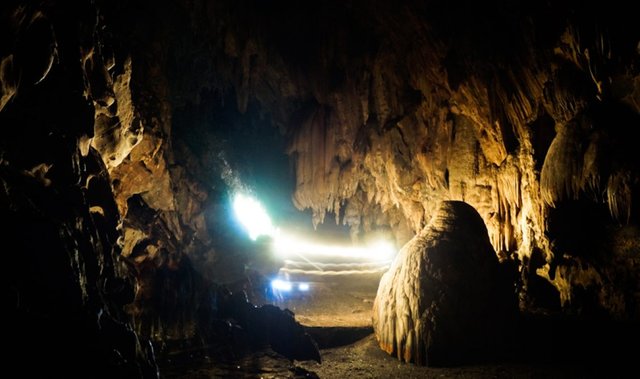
point(527, 114)
point(66, 117)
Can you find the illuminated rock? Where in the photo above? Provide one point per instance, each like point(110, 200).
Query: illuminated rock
point(115, 135)
point(528, 115)
point(445, 300)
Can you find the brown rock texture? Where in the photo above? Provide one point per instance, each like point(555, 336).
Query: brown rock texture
point(526, 112)
point(68, 285)
point(445, 300)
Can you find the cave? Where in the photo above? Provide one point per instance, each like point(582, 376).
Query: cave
point(291, 189)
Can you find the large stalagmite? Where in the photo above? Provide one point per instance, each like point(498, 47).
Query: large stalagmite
point(445, 300)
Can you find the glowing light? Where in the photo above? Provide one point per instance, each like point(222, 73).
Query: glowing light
point(311, 257)
point(281, 285)
point(303, 286)
point(287, 246)
point(253, 216)
point(382, 250)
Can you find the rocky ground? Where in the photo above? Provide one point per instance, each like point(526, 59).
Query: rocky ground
point(337, 313)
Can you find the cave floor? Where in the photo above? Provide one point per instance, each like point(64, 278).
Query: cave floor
point(337, 313)
point(334, 301)
point(363, 359)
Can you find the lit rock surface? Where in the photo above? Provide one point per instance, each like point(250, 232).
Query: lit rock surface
point(445, 299)
point(160, 109)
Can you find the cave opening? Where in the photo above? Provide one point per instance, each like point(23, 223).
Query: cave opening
point(281, 189)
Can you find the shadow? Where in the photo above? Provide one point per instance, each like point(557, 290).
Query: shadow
point(336, 336)
point(597, 343)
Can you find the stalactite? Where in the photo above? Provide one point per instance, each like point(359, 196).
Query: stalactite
point(509, 204)
point(619, 195)
point(561, 176)
point(8, 80)
point(594, 166)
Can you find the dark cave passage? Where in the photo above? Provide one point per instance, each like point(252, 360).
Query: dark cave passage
point(332, 189)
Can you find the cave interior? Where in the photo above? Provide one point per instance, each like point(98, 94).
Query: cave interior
point(456, 183)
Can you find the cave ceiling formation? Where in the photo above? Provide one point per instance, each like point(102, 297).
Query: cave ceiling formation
point(138, 118)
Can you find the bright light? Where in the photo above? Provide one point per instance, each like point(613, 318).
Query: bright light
point(303, 286)
point(382, 251)
point(288, 246)
point(281, 285)
point(253, 217)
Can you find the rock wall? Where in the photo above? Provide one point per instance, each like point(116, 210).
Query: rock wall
point(527, 114)
point(64, 100)
point(513, 113)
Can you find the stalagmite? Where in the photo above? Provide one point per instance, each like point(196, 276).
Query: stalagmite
point(445, 300)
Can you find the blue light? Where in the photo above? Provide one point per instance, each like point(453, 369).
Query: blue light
point(281, 285)
point(303, 286)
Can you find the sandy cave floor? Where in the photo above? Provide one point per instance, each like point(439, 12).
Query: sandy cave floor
point(337, 313)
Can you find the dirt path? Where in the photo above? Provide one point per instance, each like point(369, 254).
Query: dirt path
point(364, 359)
point(337, 313)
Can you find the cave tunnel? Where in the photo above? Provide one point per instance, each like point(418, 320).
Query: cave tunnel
point(329, 189)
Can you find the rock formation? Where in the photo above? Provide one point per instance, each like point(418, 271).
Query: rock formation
point(446, 300)
point(126, 125)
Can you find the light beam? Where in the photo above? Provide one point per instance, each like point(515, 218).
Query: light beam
point(253, 216)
